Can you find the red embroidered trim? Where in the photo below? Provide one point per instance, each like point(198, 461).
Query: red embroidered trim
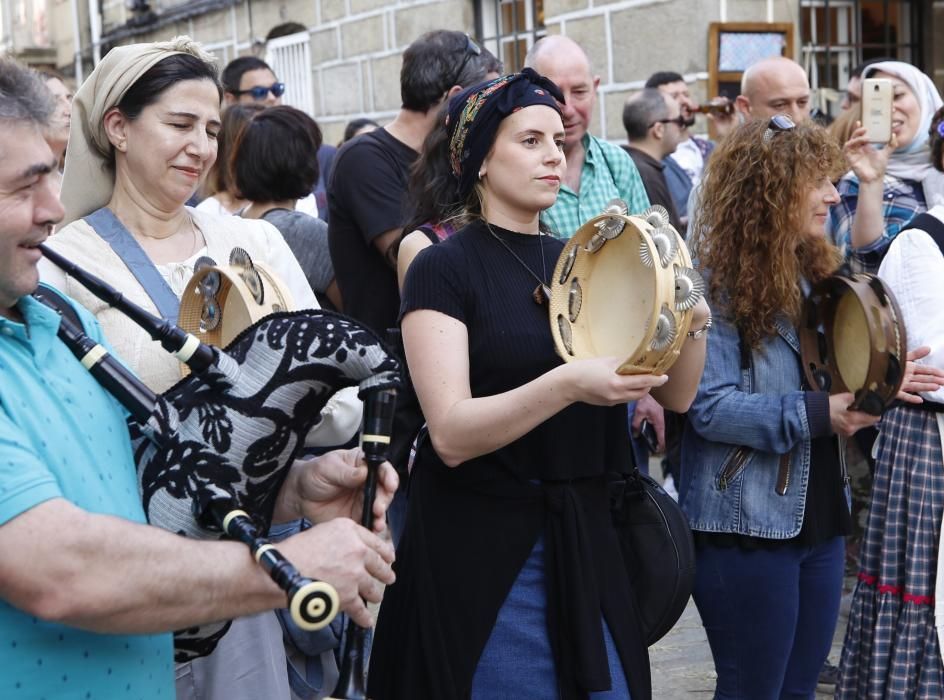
point(870, 580)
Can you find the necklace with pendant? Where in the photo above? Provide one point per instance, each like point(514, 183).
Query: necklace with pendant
point(542, 293)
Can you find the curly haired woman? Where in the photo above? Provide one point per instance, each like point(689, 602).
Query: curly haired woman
point(762, 481)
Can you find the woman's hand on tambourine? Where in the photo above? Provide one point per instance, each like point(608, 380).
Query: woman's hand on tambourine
point(332, 486)
point(919, 377)
point(596, 382)
point(867, 162)
point(847, 422)
point(341, 552)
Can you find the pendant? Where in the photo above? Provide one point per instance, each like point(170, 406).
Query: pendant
point(541, 295)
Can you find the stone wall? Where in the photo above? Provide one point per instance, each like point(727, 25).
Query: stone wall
point(629, 40)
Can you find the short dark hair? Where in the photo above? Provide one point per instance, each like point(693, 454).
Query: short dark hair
point(663, 77)
point(24, 96)
point(438, 60)
point(642, 110)
point(162, 76)
point(234, 117)
point(937, 139)
point(275, 155)
point(356, 125)
point(233, 73)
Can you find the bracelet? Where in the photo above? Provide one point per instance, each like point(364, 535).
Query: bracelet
point(701, 331)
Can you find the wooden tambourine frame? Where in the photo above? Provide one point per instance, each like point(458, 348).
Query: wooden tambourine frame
point(237, 307)
point(607, 301)
point(852, 339)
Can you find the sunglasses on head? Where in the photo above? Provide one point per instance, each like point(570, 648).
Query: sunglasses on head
point(260, 91)
point(777, 123)
point(471, 49)
point(680, 121)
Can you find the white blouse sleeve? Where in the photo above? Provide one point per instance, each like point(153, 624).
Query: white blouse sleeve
point(913, 269)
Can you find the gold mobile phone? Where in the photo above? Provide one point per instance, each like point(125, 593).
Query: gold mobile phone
point(877, 109)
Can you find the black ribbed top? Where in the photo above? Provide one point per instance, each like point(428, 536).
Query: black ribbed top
point(473, 278)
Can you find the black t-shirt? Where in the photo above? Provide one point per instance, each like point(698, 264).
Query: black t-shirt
point(473, 278)
point(653, 179)
point(366, 198)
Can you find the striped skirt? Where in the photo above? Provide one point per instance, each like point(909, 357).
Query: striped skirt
point(891, 645)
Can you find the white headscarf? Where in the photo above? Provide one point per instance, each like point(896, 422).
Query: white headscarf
point(88, 181)
point(913, 161)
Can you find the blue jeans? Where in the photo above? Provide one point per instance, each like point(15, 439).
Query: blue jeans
point(517, 661)
point(770, 616)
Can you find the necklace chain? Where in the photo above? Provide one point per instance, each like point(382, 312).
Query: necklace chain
point(542, 293)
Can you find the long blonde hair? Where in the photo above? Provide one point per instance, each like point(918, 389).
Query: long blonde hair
point(751, 213)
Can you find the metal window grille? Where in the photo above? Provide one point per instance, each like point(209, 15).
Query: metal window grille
point(290, 58)
point(837, 35)
point(508, 28)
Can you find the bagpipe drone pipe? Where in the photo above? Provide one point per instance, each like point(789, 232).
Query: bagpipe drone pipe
point(213, 450)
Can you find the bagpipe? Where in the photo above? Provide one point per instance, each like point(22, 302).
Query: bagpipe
point(213, 451)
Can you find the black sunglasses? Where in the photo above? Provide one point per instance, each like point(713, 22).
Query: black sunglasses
point(471, 49)
point(680, 121)
point(778, 122)
point(260, 91)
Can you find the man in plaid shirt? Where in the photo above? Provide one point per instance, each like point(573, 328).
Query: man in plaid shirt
point(596, 170)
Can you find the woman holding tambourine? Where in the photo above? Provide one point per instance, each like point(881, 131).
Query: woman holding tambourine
point(892, 648)
point(762, 479)
point(510, 577)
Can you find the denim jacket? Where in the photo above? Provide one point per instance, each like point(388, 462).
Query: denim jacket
point(746, 445)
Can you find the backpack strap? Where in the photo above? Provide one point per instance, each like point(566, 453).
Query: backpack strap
point(113, 232)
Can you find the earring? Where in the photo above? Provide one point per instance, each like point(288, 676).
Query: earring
point(121, 146)
point(481, 174)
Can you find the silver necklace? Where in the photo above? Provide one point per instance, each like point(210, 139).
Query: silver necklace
point(541, 293)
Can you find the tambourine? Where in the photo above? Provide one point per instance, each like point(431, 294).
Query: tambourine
point(852, 339)
point(220, 301)
point(624, 286)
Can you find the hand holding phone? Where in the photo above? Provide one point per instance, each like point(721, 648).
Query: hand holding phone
point(877, 95)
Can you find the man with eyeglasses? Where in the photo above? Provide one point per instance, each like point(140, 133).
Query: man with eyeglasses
point(367, 191)
point(654, 125)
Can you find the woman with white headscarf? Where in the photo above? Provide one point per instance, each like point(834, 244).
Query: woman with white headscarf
point(143, 138)
point(887, 186)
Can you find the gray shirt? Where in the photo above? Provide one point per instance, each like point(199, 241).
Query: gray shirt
point(308, 239)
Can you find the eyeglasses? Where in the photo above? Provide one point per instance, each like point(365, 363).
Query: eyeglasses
point(680, 121)
point(778, 122)
point(471, 49)
point(260, 92)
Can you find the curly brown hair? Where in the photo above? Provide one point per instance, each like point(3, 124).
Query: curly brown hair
point(752, 207)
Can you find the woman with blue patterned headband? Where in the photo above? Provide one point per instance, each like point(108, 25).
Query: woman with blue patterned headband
point(510, 578)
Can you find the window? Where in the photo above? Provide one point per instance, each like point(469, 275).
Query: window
point(508, 28)
point(290, 58)
point(838, 35)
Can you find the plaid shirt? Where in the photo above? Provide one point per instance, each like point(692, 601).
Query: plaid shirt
point(608, 172)
point(902, 200)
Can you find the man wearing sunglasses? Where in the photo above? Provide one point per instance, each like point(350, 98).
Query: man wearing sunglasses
point(250, 80)
point(654, 125)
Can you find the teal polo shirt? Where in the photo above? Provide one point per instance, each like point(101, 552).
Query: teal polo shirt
point(608, 172)
point(63, 436)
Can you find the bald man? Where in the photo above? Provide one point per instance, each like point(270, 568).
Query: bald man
point(775, 85)
point(596, 171)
